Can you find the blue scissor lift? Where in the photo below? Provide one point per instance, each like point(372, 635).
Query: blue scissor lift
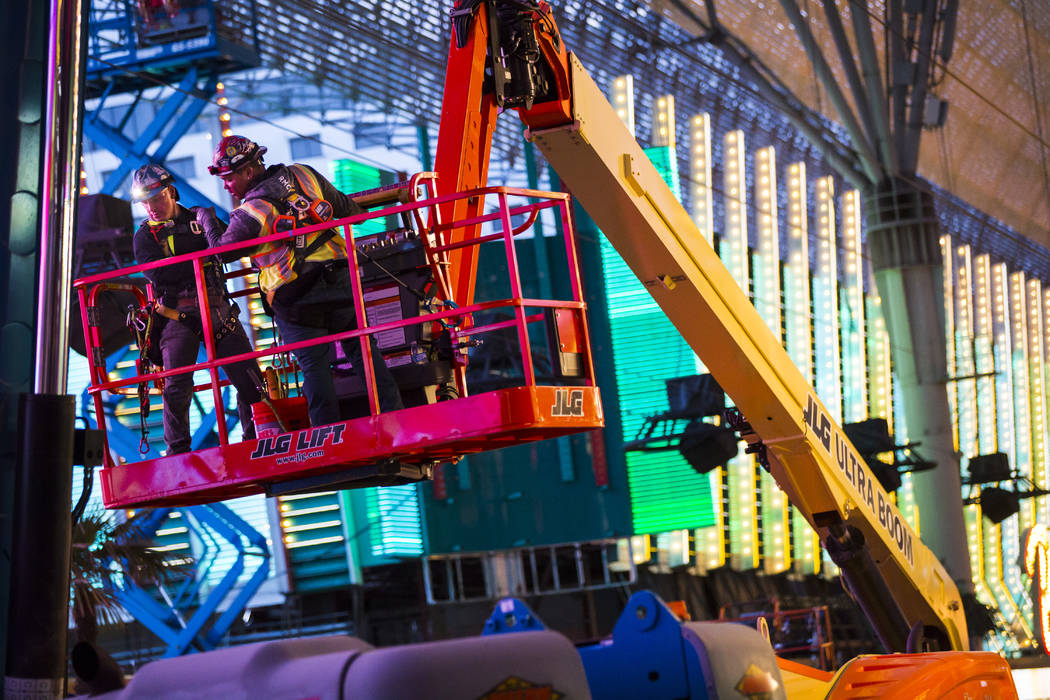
point(136, 46)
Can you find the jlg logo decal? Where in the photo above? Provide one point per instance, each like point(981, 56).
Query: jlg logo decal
point(567, 402)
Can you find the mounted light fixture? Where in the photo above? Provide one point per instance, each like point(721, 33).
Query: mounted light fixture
point(989, 468)
point(872, 437)
point(703, 445)
point(997, 504)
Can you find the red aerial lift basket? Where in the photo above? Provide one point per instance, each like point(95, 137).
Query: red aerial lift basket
point(543, 395)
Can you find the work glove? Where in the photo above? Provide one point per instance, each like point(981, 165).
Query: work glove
point(207, 219)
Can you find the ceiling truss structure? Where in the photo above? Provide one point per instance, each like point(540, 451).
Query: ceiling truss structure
point(385, 62)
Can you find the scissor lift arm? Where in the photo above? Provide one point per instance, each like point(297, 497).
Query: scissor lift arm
point(899, 583)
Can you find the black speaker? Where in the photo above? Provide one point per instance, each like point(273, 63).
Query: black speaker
point(104, 242)
point(707, 446)
point(987, 469)
point(104, 233)
point(887, 474)
point(695, 396)
point(870, 436)
point(998, 504)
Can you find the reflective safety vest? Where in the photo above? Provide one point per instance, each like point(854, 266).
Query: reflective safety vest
point(289, 198)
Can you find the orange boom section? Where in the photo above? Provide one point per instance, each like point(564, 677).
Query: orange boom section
point(954, 674)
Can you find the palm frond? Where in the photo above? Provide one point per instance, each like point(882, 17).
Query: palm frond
point(106, 554)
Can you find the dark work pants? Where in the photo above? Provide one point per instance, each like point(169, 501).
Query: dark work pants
point(333, 302)
point(179, 346)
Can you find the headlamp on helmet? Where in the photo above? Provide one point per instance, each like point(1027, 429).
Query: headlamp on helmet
point(149, 180)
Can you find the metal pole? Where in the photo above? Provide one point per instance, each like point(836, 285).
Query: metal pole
point(48, 161)
point(868, 160)
point(24, 50)
point(63, 117)
point(869, 62)
point(39, 611)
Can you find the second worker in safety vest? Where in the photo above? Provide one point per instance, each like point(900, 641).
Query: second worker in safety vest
point(305, 279)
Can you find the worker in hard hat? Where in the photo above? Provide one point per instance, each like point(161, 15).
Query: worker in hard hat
point(305, 279)
point(170, 229)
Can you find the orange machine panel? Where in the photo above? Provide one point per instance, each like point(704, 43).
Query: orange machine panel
point(955, 674)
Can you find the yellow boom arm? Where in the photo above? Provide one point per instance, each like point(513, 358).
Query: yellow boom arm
point(901, 586)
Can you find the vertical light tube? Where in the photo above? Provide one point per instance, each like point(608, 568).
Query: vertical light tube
point(798, 325)
point(743, 481)
point(1002, 332)
point(825, 310)
point(1046, 370)
point(880, 382)
point(766, 270)
point(1022, 416)
point(984, 355)
point(948, 282)
point(825, 301)
point(663, 122)
point(623, 100)
point(880, 377)
point(776, 550)
point(734, 241)
point(963, 361)
point(701, 202)
point(1015, 526)
point(1009, 534)
point(987, 564)
point(855, 391)
point(965, 386)
point(798, 318)
point(1037, 395)
point(710, 541)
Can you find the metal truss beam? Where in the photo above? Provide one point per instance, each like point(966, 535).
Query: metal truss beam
point(185, 621)
point(174, 119)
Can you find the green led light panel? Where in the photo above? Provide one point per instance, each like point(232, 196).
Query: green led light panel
point(666, 493)
point(351, 176)
point(315, 541)
point(384, 524)
point(394, 517)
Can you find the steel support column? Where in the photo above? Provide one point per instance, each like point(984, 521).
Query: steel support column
point(904, 245)
point(46, 43)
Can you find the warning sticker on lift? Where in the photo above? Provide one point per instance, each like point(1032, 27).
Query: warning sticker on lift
point(306, 444)
point(383, 305)
point(870, 492)
point(515, 688)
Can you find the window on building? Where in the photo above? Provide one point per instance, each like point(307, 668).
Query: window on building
point(181, 168)
point(130, 125)
point(122, 189)
point(305, 147)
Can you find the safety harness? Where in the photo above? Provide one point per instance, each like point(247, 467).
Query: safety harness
point(298, 211)
point(166, 243)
